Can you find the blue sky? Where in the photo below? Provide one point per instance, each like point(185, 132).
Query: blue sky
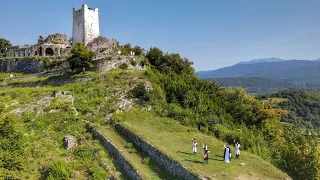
point(211, 33)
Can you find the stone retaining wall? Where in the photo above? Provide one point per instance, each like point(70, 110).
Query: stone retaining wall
point(121, 162)
point(164, 161)
point(32, 66)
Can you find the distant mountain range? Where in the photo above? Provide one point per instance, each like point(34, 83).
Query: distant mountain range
point(273, 59)
point(276, 73)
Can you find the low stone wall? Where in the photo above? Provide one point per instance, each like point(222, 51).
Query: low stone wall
point(21, 65)
point(30, 65)
point(164, 161)
point(121, 162)
point(112, 62)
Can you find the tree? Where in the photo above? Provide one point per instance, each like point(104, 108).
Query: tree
point(4, 44)
point(81, 57)
point(154, 55)
point(138, 51)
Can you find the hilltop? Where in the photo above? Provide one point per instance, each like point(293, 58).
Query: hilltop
point(38, 111)
point(43, 120)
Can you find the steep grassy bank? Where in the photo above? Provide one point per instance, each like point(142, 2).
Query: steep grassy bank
point(175, 140)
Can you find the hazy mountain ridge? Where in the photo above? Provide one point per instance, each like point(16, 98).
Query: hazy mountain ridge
point(299, 72)
point(273, 59)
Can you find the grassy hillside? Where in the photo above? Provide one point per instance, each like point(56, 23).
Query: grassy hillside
point(174, 139)
point(33, 123)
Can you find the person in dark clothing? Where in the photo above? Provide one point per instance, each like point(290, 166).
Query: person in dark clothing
point(205, 154)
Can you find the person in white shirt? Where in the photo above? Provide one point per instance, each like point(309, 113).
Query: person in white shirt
point(194, 146)
point(237, 147)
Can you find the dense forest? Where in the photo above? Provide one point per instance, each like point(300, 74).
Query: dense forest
point(260, 85)
point(254, 85)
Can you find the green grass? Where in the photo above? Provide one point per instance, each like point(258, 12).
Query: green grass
point(94, 100)
point(42, 136)
point(7, 75)
point(174, 139)
point(131, 154)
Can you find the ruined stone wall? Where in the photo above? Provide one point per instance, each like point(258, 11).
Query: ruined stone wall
point(121, 162)
point(170, 165)
point(102, 45)
point(22, 66)
point(112, 62)
point(30, 65)
point(55, 39)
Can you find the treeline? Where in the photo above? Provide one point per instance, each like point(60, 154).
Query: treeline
point(229, 114)
point(303, 106)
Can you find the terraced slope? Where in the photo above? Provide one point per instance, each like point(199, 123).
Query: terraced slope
point(138, 160)
point(175, 140)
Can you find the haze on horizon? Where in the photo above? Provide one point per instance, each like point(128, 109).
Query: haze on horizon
point(211, 33)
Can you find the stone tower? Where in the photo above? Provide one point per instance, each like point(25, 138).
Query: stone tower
point(85, 25)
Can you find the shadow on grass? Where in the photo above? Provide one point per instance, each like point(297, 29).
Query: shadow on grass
point(194, 161)
point(216, 159)
point(184, 152)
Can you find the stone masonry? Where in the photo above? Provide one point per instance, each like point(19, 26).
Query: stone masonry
point(121, 162)
point(164, 161)
point(85, 25)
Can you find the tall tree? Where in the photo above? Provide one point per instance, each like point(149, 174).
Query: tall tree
point(4, 44)
point(81, 57)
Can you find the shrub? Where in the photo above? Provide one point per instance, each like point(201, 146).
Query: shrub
point(133, 62)
point(146, 160)
point(59, 171)
point(100, 174)
point(143, 62)
point(139, 92)
point(123, 66)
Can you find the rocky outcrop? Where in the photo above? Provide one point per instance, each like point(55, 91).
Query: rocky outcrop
point(102, 45)
point(70, 142)
point(164, 161)
point(112, 62)
point(121, 162)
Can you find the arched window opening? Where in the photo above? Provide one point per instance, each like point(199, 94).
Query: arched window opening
point(49, 52)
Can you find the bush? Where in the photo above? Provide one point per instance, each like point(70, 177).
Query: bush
point(143, 62)
point(59, 171)
point(124, 66)
point(133, 62)
point(146, 161)
point(139, 92)
point(100, 174)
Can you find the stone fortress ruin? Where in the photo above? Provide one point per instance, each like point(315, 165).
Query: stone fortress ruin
point(85, 29)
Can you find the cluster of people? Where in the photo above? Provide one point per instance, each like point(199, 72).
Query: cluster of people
point(227, 151)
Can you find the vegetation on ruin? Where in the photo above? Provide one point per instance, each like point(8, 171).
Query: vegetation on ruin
point(4, 43)
point(81, 57)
